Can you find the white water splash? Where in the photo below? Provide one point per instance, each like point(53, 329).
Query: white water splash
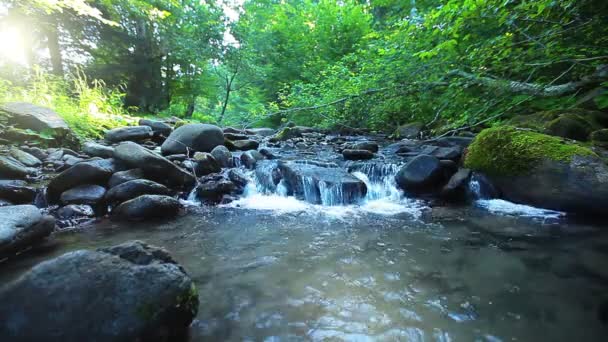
point(499, 206)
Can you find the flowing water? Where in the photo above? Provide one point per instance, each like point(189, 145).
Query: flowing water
point(273, 268)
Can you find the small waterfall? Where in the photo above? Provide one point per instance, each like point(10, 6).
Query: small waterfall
point(330, 195)
point(480, 187)
point(310, 190)
point(379, 179)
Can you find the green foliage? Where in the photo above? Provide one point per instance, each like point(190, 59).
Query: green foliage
point(89, 108)
point(508, 151)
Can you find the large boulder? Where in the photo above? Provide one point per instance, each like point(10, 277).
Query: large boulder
point(89, 172)
point(135, 188)
point(321, 183)
point(423, 173)
point(364, 145)
point(573, 123)
point(20, 227)
point(41, 119)
point(132, 133)
point(153, 165)
point(158, 127)
point(17, 191)
point(541, 170)
point(147, 207)
point(193, 138)
point(129, 292)
point(212, 188)
point(13, 169)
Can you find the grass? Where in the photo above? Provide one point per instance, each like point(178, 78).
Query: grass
point(88, 107)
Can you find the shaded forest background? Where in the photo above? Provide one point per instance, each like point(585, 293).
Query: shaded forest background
point(373, 64)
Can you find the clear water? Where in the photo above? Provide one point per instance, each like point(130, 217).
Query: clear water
point(272, 268)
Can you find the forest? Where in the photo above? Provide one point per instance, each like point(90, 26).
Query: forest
point(353, 64)
point(303, 170)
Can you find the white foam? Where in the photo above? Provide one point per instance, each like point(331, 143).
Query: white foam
point(499, 206)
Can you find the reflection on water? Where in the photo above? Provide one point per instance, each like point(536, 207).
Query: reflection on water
point(450, 275)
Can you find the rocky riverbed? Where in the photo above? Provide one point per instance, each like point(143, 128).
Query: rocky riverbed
point(506, 195)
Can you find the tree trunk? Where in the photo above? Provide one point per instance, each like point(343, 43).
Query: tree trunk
point(52, 36)
point(190, 109)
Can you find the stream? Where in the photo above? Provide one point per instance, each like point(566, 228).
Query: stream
point(270, 267)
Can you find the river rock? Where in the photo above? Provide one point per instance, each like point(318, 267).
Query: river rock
point(41, 119)
point(74, 211)
point(20, 227)
point(245, 145)
point(89, 172)
point(446, 153)
point(212, 188)
point(321, 184)
point(97, 150)
point(541, 170)
point(158, 127)
point(13, 169)
point(456, 188)
point(129, 292)
point(250, 158)
point(235, 136)
point(205, 164)
point(36, 152)
point(153, 165)
point(90, 194)
point(238, 178)
point(125, 176)
point(409, 131)
point(233, 130)
point(17, 191)
point(193, 138)
point(263, 132)
point(148, 207)
point(24, 157)
point(423, 173)
point(364, 145)
point(223, 156)
point(131, 133)
point(135, 188)
point(349, 154)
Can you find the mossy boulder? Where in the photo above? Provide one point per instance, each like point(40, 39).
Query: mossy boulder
point(574, 123)
point(541, 170)
point(600, 138)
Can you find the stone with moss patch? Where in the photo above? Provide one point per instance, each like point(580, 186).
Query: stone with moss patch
point(574, 123)
point(600, 138)
point(506, 150)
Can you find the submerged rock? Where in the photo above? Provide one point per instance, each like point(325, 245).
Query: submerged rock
point(129, 292)
point(318, 183)
point(541, 170)
point(20, 227)
point(148, 207)
point(193, 138)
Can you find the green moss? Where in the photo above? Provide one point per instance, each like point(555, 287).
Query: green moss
point(189, 300)
point(506, 150)
point(573, 123)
